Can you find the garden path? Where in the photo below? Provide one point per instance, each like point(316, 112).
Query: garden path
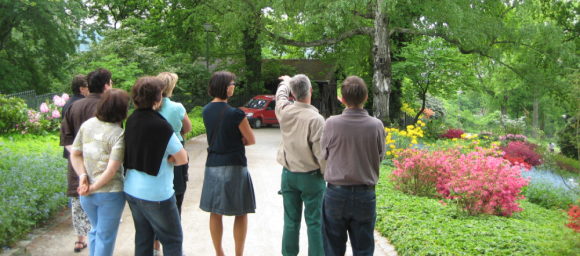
point(265, 227)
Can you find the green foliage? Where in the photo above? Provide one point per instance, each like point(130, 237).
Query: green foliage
point(33, 178)
point(191, 88)
point(568, 164)
point(434, 128)
point(548, 196)
point(423, 226)
point(36, 37)
point(12, 113)
point(197, 126)
point(569, 138)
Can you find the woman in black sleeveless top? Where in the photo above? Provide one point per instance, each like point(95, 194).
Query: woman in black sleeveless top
point(227, 185)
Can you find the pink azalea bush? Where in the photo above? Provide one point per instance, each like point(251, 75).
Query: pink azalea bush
point(479, 182)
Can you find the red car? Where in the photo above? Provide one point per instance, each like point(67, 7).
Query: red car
point(260, 110)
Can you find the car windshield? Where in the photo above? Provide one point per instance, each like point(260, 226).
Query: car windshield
point(255, 103)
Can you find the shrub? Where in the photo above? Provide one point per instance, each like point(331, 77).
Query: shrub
point(568, 164)
point(197, 126)
point(12, 113)
point(46, 120)
point(422, 173)
point(398, 140)
point(484, 184)
point(452, 134)
point(574, 218)
point(513, 137)
point(434, 128)
point(476, 181)
point(517, 151)
point(568, 138)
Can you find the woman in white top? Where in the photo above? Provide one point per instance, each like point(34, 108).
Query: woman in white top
point(97, 154)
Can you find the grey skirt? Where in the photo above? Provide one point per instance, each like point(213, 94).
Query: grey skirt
point(228, 190)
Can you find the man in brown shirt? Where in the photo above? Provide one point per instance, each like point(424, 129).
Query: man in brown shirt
point(80, 111)
point(353, 145)
point(302, 183)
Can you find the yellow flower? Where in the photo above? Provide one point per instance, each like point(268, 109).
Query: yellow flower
point(389, 153)
point(392, 146)
point(414, 141)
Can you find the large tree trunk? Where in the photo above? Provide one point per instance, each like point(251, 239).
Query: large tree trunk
point(381, 64)
point(535, 117)
point(253, 54)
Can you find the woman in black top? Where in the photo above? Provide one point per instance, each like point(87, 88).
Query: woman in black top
point(227, 185)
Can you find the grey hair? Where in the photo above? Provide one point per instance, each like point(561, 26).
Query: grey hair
point(300, 86)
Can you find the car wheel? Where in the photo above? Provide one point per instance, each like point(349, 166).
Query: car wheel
point(258, 123)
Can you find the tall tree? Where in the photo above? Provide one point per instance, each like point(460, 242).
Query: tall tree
point(473, 27)
point(35, 38)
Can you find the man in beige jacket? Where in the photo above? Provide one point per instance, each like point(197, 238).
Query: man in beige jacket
point(300, 155)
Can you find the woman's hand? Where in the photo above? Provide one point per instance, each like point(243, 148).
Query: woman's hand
point(84, 186)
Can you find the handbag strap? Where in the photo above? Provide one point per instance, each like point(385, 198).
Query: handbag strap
point(216, 128)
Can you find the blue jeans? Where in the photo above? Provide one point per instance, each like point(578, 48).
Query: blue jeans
point(104, 211)
point(159, 218)
point(351, 211)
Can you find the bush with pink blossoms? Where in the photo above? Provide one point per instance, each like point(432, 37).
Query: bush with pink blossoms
point(421, 172)
point(47, 119)
point(479, 182)
point(485, 184)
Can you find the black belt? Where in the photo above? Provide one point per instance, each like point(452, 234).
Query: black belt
point(353, 187)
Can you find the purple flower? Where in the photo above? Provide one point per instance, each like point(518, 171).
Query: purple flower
point(65, 97)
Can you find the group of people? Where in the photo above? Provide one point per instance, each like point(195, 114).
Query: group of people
point(329, 166)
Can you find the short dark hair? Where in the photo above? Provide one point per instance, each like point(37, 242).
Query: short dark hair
point(113, 106)
point(146, 92)
point(97, 80)
point(218, 84)
point(78, 82)
point(354, 91)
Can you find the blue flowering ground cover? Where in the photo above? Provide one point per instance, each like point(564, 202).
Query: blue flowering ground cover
point(33, 178)
point(551, 190)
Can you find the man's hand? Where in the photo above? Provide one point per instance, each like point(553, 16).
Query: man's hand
point(284, 78)
point(171, 159)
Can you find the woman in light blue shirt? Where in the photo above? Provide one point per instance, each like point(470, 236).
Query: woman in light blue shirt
point(151, 151)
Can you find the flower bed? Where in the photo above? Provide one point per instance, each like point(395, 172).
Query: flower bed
point(33, 178)
point(423, 226)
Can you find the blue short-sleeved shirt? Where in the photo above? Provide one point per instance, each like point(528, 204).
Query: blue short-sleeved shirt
point(174, 113)
point(154, 188)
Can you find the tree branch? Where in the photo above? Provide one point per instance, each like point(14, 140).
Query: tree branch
point(461, 49)
point(325, 41)
point(365, 15)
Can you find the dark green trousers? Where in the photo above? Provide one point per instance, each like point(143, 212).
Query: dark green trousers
point(298, 189)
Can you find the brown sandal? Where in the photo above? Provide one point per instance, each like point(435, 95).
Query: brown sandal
point(83, 245)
